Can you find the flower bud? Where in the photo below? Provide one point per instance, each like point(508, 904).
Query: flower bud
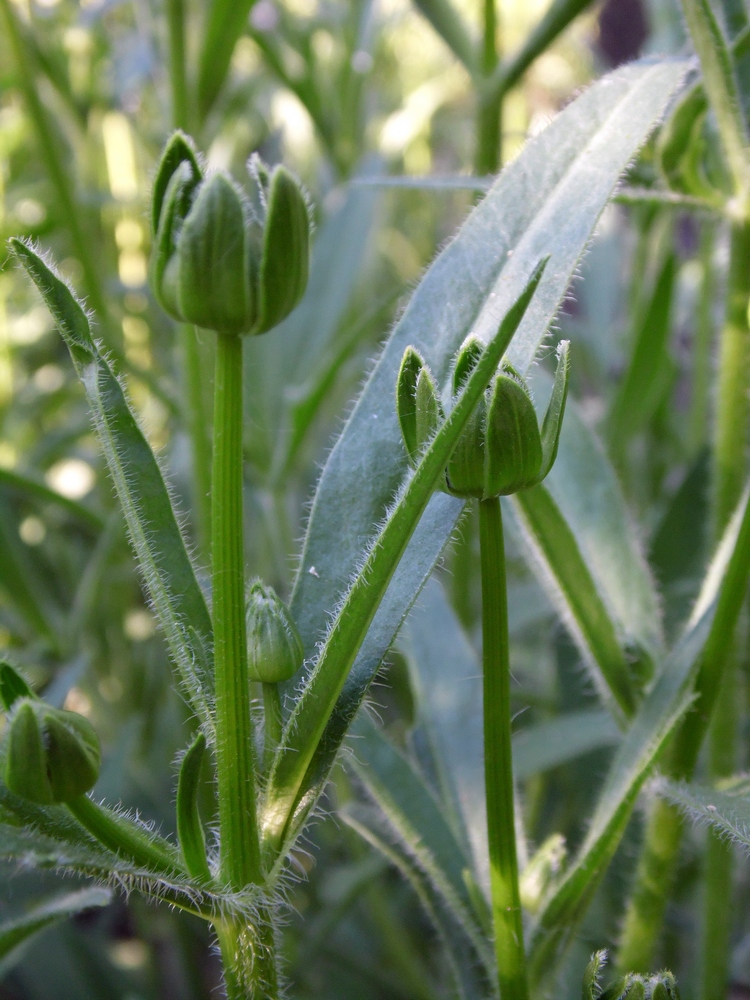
point(502, 449)
point(215, 263)
point(51, 755)
point(274, 648)
point(419, 410)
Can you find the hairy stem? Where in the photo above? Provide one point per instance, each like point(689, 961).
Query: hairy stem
point(498, 763)
point(235, 766)
point(248, 955)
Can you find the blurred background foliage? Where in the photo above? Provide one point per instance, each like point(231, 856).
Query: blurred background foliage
point(344, 91)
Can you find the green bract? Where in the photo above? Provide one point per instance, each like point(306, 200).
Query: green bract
point(502, 449)
point(274, 648)
point(51, 755)
point(216, 262)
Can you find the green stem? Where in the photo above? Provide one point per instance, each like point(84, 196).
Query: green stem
point(248, 954)
point(235, 765)
point(721, 86)
point(732, 403)
point(175, 10)
point(198, 428)
point(704, 329)
point(122, 837)
point(489, 111)
point(654, 877)
point(54, 162)
point(498, 764)
point(730, 469)
point(273, 720)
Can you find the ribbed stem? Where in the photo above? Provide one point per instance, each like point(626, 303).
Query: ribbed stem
point(248, 955)
point(175, 10)
point(235, 766)
point(498, 763)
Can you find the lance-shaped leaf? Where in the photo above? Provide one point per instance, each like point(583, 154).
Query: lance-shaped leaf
point(16, 932)
point(318, 699)
point(225, 22)
point(154, 532)
point(547, 201)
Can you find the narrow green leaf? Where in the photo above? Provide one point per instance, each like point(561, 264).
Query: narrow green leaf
point(650, 367)
point(225, 21)
point(576, 162)
point(15, 932)
point(154, 532)
point(540, 747)
point(461, 957)
point(450, 25)
point(561, 569)
point(417, 821)
point(189, 827)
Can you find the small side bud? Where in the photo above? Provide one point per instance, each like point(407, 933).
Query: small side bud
point(285, 258)
point(274, 648)
point(52, 755)
point(553, 418)
point(178, 150)
point(468, 355)
point(541, 871)
point(189, 826)
point(417, 404)
point(590, 988)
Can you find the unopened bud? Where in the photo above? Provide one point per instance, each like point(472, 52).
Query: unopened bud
point(419, 410)
point(51, 755)
point(215, 263)
point(274, 648)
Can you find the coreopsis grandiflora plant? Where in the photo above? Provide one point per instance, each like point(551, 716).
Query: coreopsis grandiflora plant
point(380, 521)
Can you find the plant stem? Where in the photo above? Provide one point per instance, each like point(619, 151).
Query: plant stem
point(273, 719)
point(235, 765)
point(489, 129)
point(498, 764)
point(730, 469)
point(248, 954)
point(704, 329)
point(654, 877)
point(198, 428)
point(721, 87)
point(175, 10)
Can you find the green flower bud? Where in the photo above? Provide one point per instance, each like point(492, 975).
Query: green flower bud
point(274, 648)
point(502, 449)
point(215, 263)
point(419, 410)
point(51, 755)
